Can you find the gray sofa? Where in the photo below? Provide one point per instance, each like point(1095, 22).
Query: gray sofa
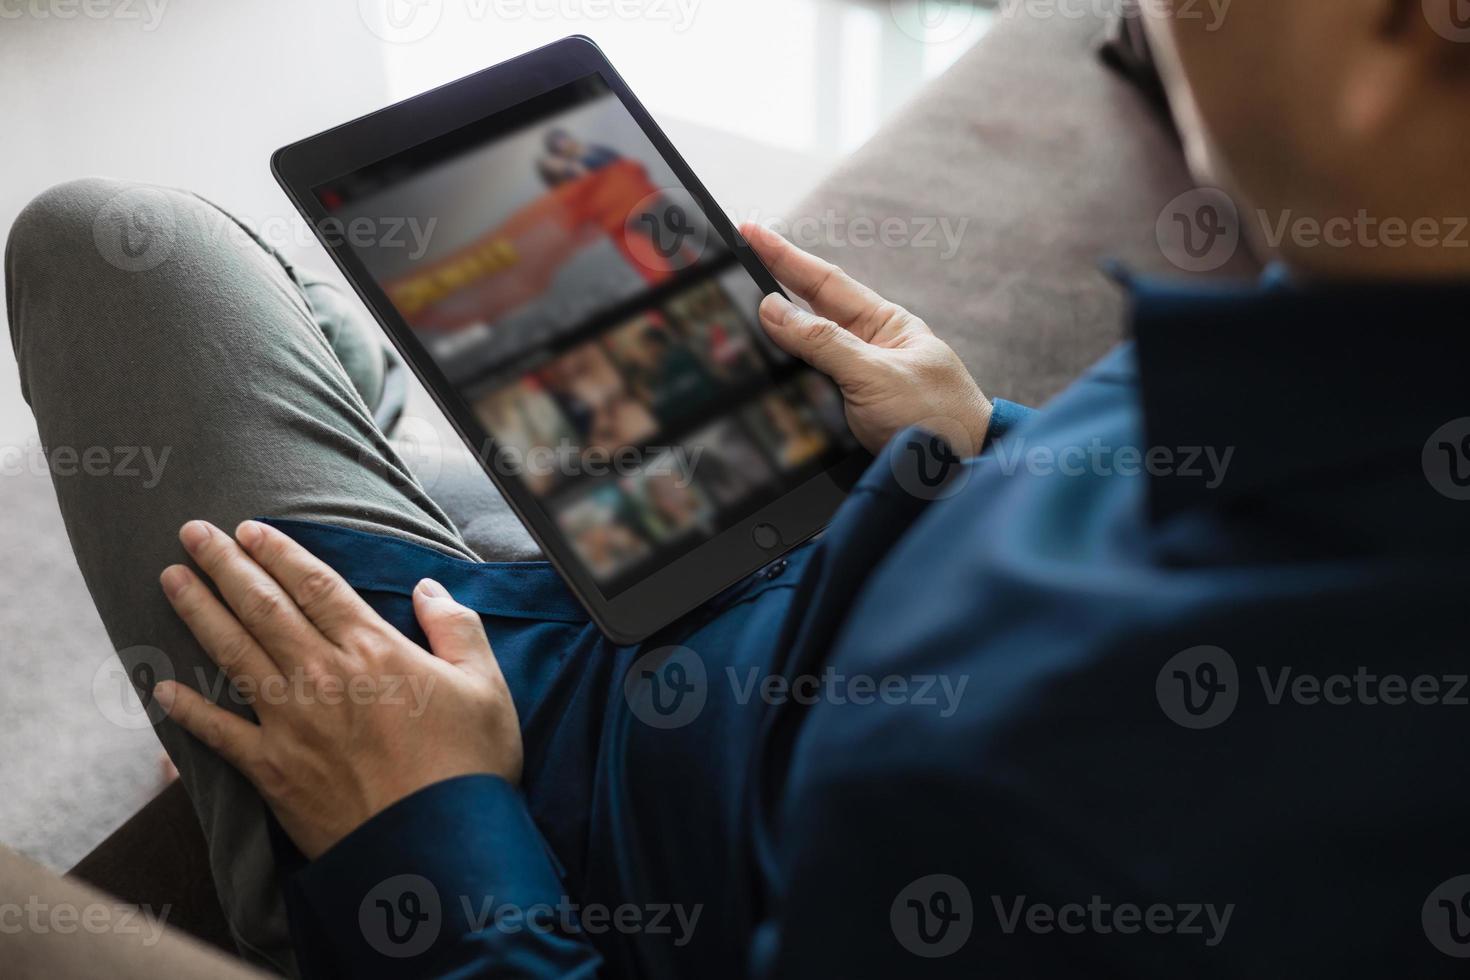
point(1052, 161)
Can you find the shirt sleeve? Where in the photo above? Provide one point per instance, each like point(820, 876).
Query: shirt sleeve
point(1004, 417)
point(454, 880)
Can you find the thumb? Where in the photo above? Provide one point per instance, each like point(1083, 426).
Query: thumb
point(836, 352)
point(455, 632)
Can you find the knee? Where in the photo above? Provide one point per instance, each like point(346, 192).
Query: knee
point(86, 246)
point(95, 225)
point(55, 214)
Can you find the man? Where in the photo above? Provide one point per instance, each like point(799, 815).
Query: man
point(562, 145)
point(1163, 681)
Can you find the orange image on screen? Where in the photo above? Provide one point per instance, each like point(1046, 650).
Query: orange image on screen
point(517, 262)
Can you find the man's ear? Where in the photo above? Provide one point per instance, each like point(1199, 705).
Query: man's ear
point(1437, 30)
point(1411, 54)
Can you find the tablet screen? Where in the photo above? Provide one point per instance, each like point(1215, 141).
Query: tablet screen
point(595, 324)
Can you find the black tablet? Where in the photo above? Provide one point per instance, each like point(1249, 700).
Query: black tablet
point(585, 315)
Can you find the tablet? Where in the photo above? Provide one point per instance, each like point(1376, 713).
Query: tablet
point(586, 317)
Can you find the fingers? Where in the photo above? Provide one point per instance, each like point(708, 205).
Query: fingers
point(259, 602)
point(830, 291)
point(324, 596)
point(819, 342)
point(455, 632)
point(236, 740)
point(218, 631)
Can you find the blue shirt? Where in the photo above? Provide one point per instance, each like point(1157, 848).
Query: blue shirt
point(1170, 680)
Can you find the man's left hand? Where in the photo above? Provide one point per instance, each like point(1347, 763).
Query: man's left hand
point(353, 716)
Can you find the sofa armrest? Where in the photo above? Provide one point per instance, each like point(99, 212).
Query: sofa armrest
point(159, 858)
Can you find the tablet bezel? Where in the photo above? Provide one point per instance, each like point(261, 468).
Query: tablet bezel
point(646, 606)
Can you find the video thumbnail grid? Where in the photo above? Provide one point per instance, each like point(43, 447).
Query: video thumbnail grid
point(680, 397)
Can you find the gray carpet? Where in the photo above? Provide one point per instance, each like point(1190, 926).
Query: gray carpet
point(68, 774)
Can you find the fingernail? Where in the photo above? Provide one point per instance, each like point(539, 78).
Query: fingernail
point(194, 534)
point(777, 308)
point(248, 533)
point(433, 589)
point(174, 579)
point(163, 693)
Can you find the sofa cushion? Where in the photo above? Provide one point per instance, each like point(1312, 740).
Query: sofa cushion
point(1046, 162)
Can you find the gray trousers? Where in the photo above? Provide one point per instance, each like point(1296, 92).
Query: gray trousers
point(148, 322)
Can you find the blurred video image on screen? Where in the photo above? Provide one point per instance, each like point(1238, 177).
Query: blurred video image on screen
point(821, 394)
point(618, 523)
point(604, 530)
point(523, 418)
point(667, 500)
point(664, 370)
point(727, 464)
point(787, 428)
point(596, 398)
point(712, 326)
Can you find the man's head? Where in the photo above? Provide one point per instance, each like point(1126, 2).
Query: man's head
point(561, 143)
point(1316, 111)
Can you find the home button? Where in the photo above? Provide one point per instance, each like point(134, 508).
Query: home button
point(766, 536)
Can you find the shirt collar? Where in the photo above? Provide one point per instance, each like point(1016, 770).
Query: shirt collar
point(1303, 383)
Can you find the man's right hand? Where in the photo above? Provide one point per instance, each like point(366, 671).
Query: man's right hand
point(892, 370)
